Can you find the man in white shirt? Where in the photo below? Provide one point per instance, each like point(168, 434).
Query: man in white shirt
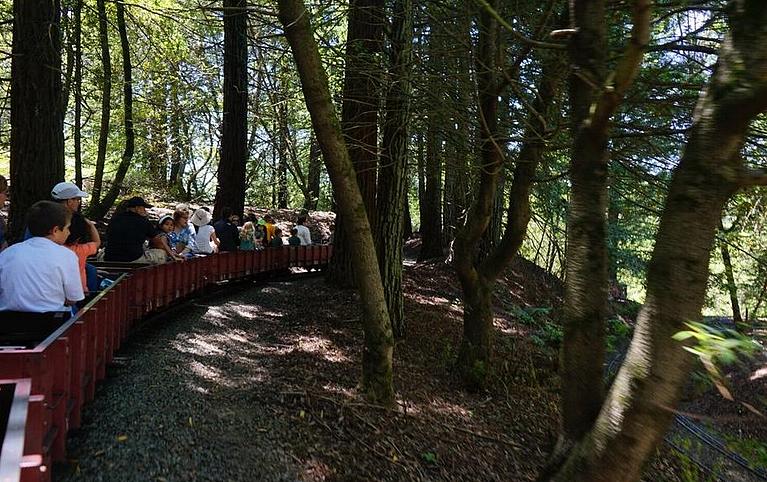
point(303, 232)
point(40, 274)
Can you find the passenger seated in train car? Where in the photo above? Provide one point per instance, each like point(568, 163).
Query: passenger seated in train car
point(182, 238)
point(277, 241)
point(261, 233)
point(294, 240)
point(248, 237)
point(3, 198)
point(303, 232)
point(227, 232)
point(206, 241)
point(269, 228)
point(127, 232)
point(84, 241)
point(40, 274)
point(160, 250)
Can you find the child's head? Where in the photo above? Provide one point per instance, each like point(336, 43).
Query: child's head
point(277, 231)
point(165, 224)
point(247, 230)
point(50, 220)
point(294, 232)
point(78, 231)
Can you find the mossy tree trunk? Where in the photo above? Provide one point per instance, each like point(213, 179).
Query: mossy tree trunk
point(379, 341)
point(478, 274)
point(392, 183)
point(641, 401)
point(594, 99)
point(359, 119)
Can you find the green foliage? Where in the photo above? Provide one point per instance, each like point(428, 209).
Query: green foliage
point(548, 333)
point(429, 457)
point(754, 451)
point(717, 346)
point(618, 331)
point(689, 471)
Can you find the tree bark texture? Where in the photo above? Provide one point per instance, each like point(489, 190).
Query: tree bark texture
point(359, 119)
point(234, 133)
point(639, 406)
point(283, 137)
point(593, 99)
point(106, 99)
point(313, 181)
point(37, 125)
point(78, 84)
point(100, 209)
point(476, 347)
point(379, 341)
point(431, 210)
point(392, 183)
point(732, 287)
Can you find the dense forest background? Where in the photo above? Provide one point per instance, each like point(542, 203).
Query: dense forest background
point(176, 50)
point(619, 145)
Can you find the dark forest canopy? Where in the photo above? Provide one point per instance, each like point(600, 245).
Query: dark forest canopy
point(619, 145)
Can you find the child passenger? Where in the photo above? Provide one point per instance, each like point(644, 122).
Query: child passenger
point(182, 237)
point(248, 237)
point(41, 275)
point(205, 240)
point(294, 240)
point(160, 243)
point(84, 241)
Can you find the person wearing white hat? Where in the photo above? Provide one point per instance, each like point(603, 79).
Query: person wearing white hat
point(206, 241)
point(68, 194)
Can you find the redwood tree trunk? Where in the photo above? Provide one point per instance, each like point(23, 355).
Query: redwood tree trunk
point(379, 342)
point(732, 287)
point(313, 181)
point(234, 132)
point(392, 185)
point(640, 403)
point(78, 83)
point(359, 118)
point(106, 99)
point(37, 128)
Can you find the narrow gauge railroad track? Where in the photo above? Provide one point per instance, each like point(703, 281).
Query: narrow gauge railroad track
point(49, 366)
point(714, 445)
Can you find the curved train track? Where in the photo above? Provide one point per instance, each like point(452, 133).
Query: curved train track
point(49, 366)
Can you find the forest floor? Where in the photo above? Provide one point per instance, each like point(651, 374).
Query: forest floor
point(261, 384)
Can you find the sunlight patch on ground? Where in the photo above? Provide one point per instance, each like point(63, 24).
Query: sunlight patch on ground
point(320, 346)
point(431, 300)
point(504, 327)
point(444, 407)
point(760, 373)
point(197, 345)
point(338, 389)
point(205, 372)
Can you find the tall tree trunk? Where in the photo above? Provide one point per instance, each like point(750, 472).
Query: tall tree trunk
point(732, 287)
point(359, 118)
point(392, 183)
point(315, 169)
point(479, 273)
point(379, 342)
point(106, 98)
point(78, 84)
point(586, 289)
point(282, 141)
point(69, 48)
point(431, 213)
point(407, 222)
point(100, 209)
point(37, 124)
point(234, 133)
point(641, 402)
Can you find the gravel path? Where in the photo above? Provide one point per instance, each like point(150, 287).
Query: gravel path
point(182, 401)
